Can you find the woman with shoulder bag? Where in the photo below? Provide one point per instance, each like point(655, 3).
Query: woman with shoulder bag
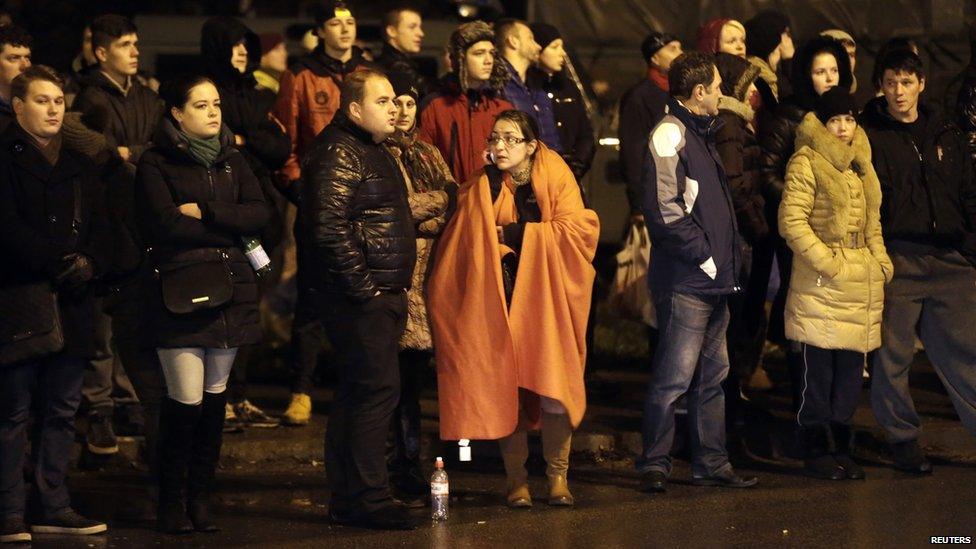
point(200, 202)
point(830, 217)
point(54, 240)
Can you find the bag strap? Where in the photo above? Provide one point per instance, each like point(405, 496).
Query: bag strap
point(75, 215)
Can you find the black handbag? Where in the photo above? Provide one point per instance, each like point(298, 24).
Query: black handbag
point(199, 280)
point(30, 318)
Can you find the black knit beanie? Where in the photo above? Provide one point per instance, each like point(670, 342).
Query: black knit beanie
point(404, 84)
point(834, 102)
point(764, 32)
point(654, 42)
point(545, 34)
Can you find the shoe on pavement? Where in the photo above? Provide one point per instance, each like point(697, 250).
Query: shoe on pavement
point(908, 457)
point(824, 467)
point(653, 482)
point(299, 410)
point(232, 423)
point(14, 531)
point(727, 479)
point(101, 439)
point(69, 522)
point(393, 517)
point(252, 416)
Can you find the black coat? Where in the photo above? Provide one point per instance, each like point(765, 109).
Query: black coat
point(246, 110)
point(777, 136)
point(641, 108)
point(233, 206)
point(6, 116)
point(392, 60)
point(572, 122)
point(928, 195)
point(36, 213)
point(741, 157)
point(966, 106)
point(358, 229)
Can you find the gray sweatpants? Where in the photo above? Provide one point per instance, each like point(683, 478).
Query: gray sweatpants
point(933, 296)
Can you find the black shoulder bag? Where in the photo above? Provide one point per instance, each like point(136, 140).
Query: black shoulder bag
point(30, 318)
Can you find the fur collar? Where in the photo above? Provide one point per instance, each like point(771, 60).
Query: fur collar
point(766, 73)
point(730, 104)
point(812, 133)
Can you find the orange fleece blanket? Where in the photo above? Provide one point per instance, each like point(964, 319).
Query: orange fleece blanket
point(488, 354)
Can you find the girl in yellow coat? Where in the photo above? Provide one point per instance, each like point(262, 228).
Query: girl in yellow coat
point(830, 217)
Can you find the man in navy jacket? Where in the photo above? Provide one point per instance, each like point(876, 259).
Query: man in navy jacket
point(691, 221)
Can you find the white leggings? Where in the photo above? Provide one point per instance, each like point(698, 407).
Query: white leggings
point(190, 371)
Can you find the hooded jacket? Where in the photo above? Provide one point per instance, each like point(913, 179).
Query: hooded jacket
point(830, 218)
point(778, 133)
point(929, 193)
point(230, 199)
point(737, 145)
point(246, 109)
point(688, 208)
point(572, 121)
point(309, 98)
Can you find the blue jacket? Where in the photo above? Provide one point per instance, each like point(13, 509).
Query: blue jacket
point(531, 98)
point(688, 208)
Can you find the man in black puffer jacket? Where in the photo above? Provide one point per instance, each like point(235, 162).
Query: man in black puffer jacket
point(928, 217)
point(360, 239)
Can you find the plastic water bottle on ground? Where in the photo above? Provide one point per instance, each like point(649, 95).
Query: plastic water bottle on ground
point(439, 492)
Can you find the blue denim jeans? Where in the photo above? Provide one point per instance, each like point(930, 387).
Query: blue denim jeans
point(52, 388)
point(692, 359)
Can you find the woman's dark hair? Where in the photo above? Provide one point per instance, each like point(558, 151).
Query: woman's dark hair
point(176, 92)
point(803, 62)
point(525, 123)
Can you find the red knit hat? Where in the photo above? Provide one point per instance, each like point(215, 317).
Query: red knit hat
point(270, 40)
point(709, 35)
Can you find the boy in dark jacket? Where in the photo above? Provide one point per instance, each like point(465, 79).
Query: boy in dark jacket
point(691, 220)
point(404, 35)
point(928, 218)
point(46, 236)
point(114, 103)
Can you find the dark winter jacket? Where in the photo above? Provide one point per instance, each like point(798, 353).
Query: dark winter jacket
point(126, 119)
point(458, 123)
point(357, 223)
point(966, 100)
point(530, 98)
point(572, 121)
point(392, 60)
point(6, 115)
point(928, 195)
point(641, 108)
point(737, 145)
point(688, 208)
point(232, 205)
point(246, 110)
point(778, 133)
point(36, 214)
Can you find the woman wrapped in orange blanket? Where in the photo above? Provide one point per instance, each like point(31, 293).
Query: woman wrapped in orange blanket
point(509, 297)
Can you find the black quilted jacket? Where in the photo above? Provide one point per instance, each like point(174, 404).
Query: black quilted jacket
point(357, 224)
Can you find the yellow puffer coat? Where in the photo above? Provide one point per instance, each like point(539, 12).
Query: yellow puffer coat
point(830, 218)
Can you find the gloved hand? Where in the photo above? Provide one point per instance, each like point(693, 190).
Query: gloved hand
point(78, 270)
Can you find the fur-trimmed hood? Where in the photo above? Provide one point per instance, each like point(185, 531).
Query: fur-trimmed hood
point(461, 40)
point(813, 134)
point(730, 104)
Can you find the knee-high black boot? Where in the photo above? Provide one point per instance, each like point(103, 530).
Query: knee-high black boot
point(177, 422)
point(204, 455)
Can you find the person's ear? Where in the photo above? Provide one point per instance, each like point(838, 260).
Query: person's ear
point(18, 105)
point(531, 147)
point(390, 32)
point(177, 114)
point(101, 54)
point(921, 84)
point(699, 92)
point(355, 111)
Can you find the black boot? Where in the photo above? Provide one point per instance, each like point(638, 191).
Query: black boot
point(176, 425)
point(844, 450)
point(204, 456)
point(818, 461)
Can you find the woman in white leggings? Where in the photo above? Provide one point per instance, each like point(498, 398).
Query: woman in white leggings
point(200, 202)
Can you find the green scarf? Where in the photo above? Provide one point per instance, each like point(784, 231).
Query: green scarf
point(204, 151)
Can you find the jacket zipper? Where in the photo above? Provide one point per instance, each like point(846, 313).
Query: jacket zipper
point(223, 313)
point(928, 193)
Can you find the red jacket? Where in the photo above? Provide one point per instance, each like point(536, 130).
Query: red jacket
point(459, 125)
point(309, 98)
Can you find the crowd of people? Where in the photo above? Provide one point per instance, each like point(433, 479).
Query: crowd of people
point(441, 221)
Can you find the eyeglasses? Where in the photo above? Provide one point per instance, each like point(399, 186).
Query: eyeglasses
point(508, 140)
